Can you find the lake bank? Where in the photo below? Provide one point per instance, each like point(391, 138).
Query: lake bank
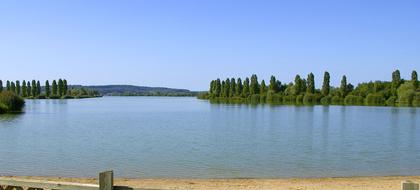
point(343, 183)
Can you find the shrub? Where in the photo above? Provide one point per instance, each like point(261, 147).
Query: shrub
point(3, 108)
point(289, 99)
point(416, 99)
point(375, 99)
point(299, 99)
point(11, 102)
point(310, 99)
point(255, 99)
point(391, 101)
point(326, 100)
point(353, 100)
point(336, 100)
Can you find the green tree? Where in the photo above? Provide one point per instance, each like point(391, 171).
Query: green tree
point(232, 87)
point(8, 85)
point(239, 87)
point(298, 85)
point(13, 87)
point(263, 88)
point(28, 89)
point(34, 90)
point(343, 86)
point(326, 84)
point(223, 92)
point(18, 88)
point(54, 88)
point(396, 81)
point(60, 87)
point(245, 90)
point(65, 87)
point(24, 89)
point(227, 88)
point(38, 88)
point(254, 87)
point(414, 79)
point(1, 86)
point(310, 84)
point(47, 89)
point(273, 86)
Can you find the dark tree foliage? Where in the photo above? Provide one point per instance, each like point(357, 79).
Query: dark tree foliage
point(254, 87)
point(396, 81)
point(239, 87)
point(1, 86)
point(245, 90)
point(343, 86)
point(65, 87)
point(24, 89)
point(34, 89)
point(414, 79)
point(12, 87)
point(47, 89)
point(8, 85)
point(18, 88)
point(263, 88)
point(232, 87)
point(60, 87)
point(326, 84)
point(274, 85)
point(310, 84)
point(300, 85)
point(38, 88)
point(54, 88)
point(28, 88)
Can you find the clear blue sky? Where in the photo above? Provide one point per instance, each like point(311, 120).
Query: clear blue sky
point(185, 44)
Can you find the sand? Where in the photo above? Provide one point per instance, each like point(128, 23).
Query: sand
point(339, 183)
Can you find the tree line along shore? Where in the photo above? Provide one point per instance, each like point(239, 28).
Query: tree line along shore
point(397, 92)
point(12, 96)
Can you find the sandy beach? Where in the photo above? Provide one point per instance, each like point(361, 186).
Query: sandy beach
point(342, 183)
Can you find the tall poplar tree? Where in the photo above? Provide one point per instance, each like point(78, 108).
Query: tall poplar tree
point(232, 88)
point(18, 88)
point(298, 85)
point(343, 86)
point(245, 90)
point(326, 84)
point(263, 88)
point(8, 85)
point(28, 89)
point(273, 86)
point(24, 89)
point(227, 87)
point(223, 92)
point(65, 87)
point(414, 79)
point(34, 90)
point(47, 89)
point(254, 87)
point(54, 88)
point(38, 88)
point(310, 84)
point(1, 86)
point(239, 87)
point(12, 87)
point(60, 87)
point(396, 81)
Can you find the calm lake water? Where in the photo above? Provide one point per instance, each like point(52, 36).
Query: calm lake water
point(153, 137)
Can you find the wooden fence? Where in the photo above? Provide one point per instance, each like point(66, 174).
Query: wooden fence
point(106, 182)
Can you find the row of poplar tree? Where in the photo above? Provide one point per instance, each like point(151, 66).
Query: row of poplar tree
point(250, 87)
point(33, 89)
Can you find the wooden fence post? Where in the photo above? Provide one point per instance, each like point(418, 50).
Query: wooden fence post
point(408, 185)
point(106, 180)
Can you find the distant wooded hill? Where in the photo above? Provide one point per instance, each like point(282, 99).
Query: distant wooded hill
point(131, 90)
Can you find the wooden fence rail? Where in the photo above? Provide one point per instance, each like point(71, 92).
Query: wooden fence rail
point(106, 182)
